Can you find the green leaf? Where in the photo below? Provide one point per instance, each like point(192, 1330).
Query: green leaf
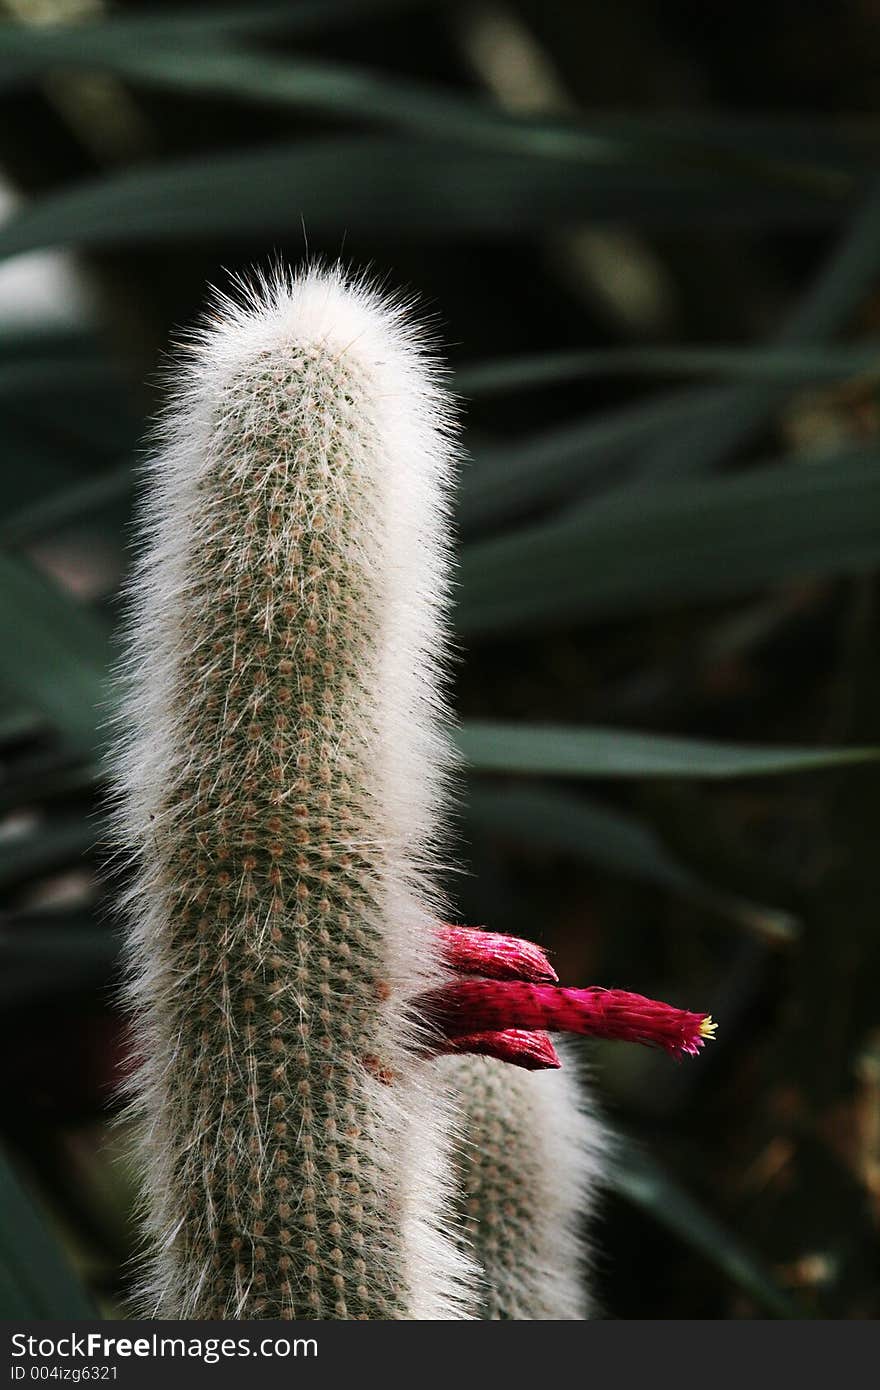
point(542, 817)
point(689, 542)
point(506, 480)
point(39, 376)
point(43, 958)
point(640, 1179)
point(849, 276)
point(341, 90)
point(781, 138)
point(786, 366)
point(28, 51)
point(561, 751)
point(392, 186)
point(55, 652)
point(35, 1278)
point(160, 55)
point(18, 723)
point(42, 778)
point(358, 93)
point(34, 461)
point(38, 338)
point(190, 59)
point(67, 506)
point(45, 849)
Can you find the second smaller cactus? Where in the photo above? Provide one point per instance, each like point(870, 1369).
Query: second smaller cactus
point(530, 1167)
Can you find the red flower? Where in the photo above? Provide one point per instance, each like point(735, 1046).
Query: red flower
point(508, 1013)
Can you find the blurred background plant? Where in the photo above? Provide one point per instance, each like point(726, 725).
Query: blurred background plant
point(649, 237)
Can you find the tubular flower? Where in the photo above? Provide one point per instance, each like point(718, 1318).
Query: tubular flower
point(535, 1148)
point(467, 1008)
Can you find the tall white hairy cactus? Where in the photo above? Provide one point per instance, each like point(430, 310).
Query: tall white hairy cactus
point(282, 785)
point(309, 1149)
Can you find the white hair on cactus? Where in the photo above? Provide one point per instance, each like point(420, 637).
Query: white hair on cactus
point(530, 1167)
point(282, 774)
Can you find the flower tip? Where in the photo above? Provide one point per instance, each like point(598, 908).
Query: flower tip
point(543, 1053)
point(694, 1044)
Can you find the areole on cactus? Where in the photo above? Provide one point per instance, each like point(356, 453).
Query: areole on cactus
point(314, 1141)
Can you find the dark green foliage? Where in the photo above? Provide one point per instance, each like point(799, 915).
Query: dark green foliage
point(661, 297)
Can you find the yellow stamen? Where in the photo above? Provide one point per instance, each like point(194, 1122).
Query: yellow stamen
point(707, 1027)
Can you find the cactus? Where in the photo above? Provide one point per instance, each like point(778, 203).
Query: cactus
point(529, 1170)
point(300, 1008)
point(282, 783)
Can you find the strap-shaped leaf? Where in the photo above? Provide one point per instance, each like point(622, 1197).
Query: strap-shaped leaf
point(56, 652)
point(564, 751)
point(36, 1280)
point(508, 479)
point(842, 285)
point(394, 186)
point(689, 542)
point(540, 817)
point(641, 1180)
point(28, 51)
point(786, 366)
point(43, 958)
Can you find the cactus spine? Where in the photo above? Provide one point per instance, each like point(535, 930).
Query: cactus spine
point(281, 783)
point(528, 1172)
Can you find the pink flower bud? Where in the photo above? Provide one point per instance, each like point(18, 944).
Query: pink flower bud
point(473, 951)
point(531, 1051)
